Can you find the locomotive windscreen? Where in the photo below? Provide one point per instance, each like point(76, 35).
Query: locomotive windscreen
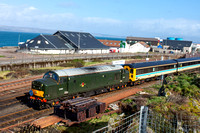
point(51, 75)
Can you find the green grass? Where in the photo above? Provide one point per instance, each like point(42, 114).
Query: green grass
point(88, 126)
point(1, 56)
point(156, 100)
point(97, 62)
point(3, 74)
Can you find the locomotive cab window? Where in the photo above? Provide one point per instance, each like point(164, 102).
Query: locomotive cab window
point(63, 80)
point(51, 75)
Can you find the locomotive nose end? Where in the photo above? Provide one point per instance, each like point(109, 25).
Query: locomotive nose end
point(31, 93)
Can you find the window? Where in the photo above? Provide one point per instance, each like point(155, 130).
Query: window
point(51, 75)
point(31, 41)
point(38, 42)
point(46, 42)
point(72, 34)
point(66, 34)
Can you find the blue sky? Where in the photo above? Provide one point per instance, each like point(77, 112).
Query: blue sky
point(139, 18)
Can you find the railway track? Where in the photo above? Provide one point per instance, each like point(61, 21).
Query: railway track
point(16, 88)
point(11, 119)
point(12, 85)
point(115, 92)
point(8, 102)
point(17, 82)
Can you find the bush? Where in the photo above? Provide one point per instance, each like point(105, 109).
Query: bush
point(74, 63)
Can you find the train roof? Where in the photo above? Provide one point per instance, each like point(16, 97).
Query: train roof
point(87, 70)
point(149, 64)
point(188, 59)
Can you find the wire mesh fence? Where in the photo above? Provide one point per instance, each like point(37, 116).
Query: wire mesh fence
point(128, 124)
point(147, 121)
point(174, 123)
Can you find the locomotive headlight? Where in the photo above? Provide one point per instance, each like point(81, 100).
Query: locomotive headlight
point(36, 92)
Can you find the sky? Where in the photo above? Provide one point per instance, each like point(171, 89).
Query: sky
point(121, 18)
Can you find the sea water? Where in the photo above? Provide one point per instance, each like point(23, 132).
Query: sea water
point(8, 38)
point(13, 38)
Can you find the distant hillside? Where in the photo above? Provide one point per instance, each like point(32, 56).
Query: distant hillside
point(25, 29)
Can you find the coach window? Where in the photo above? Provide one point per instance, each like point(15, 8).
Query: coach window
point(153, 69)
point(174, 66)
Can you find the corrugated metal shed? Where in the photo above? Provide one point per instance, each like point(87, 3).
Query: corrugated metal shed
point(152, 41)
point(81, 40)
point(176, 44)
point(141, 39)
point(46, 42)
point(87, 70)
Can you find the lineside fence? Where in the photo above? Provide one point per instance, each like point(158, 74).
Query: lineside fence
point(147, 121)
point(53, 58)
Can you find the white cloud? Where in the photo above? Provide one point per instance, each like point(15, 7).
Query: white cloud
point(99, 20)
point(31, 8)
point(169, 26)
point(30, 16)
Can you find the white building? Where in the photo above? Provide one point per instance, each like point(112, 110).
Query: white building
point(135, 48)
point(65, 42)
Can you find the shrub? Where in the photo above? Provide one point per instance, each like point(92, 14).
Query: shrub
point(74, 63)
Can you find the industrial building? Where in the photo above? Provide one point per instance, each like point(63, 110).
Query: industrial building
point(110, 43)
point(178, 45)
point(149, 41)
point(65, 42)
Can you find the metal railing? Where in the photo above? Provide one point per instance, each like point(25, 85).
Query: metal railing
point(147, 121)
point(53, 58)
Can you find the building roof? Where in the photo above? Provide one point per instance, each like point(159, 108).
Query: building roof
point(110, 43)
point(141, 39)
point(176, 44)
point(47, 42)
point(64, 40)
point(81, 40)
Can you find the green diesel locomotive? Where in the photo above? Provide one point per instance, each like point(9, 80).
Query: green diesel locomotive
point(58, 85)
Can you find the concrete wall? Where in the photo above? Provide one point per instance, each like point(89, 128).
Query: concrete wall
point(85, 51)
point(52, 51)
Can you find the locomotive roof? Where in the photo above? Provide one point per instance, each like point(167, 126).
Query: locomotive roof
point(188, 59)
point(87, 70)
point(149, 64)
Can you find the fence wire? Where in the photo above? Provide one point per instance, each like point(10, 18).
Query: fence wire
point(129, 124)
point(147, 121)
